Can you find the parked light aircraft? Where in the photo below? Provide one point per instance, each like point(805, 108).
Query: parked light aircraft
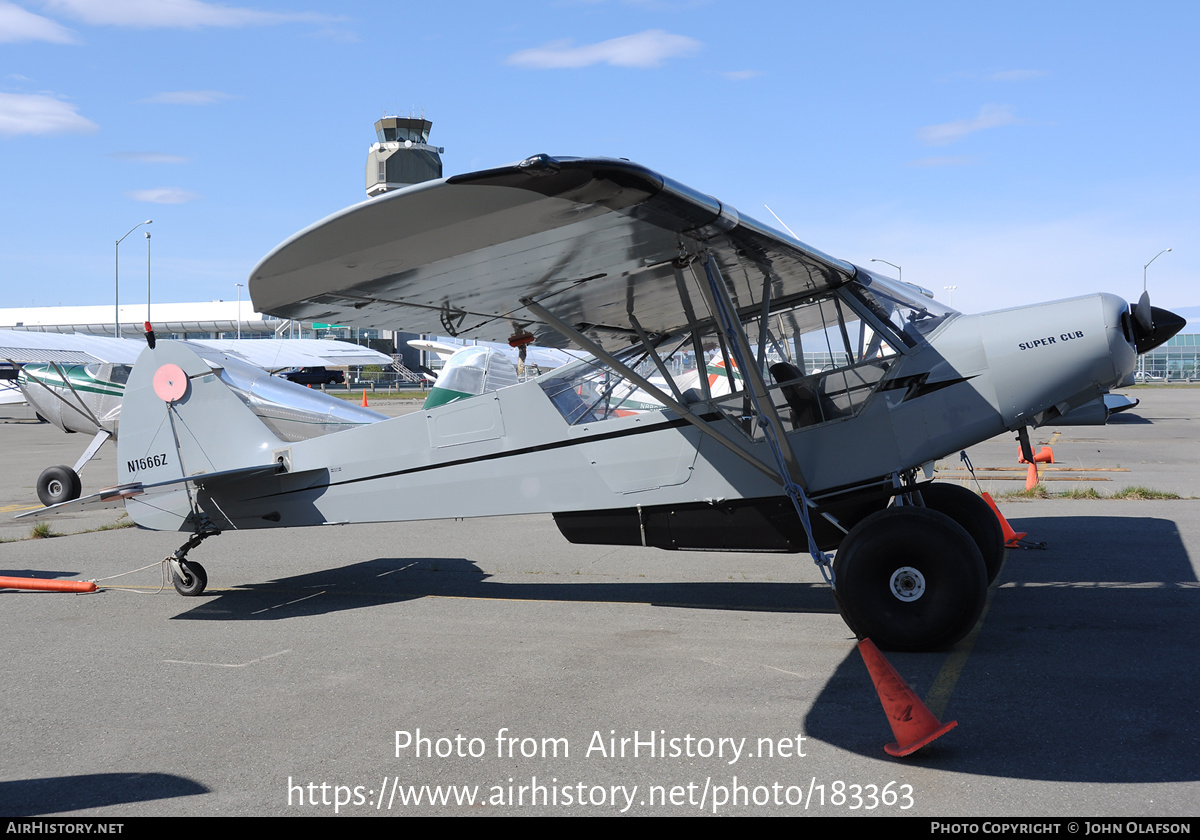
point(76, 382)
point(536, 360)
point(851, 386)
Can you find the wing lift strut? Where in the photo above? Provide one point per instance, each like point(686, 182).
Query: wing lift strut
point(781, 448)
point(787, 469)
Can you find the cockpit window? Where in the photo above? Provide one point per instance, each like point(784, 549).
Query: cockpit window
point(902, 305)
point(821, 359)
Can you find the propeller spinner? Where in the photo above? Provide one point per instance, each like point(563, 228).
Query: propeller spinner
point(1153, 326)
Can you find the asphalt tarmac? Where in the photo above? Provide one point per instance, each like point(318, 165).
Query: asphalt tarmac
point(490, 667)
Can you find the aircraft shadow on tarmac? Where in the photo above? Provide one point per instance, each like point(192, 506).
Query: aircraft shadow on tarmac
point(56, 794)
point(1084, 670)
point(1126, 418)
point(391, 580)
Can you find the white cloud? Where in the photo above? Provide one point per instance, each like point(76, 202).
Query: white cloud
point(40, 114)
point(1016, 75)
point(17, 24)
point(148, 157)
point(159, 14)
point(645, 49)
point(185, 97)
point(990, 116)
point(163, 195)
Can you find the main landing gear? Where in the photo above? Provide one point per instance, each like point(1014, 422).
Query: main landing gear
point(188, 576)
point(916, 578)
point(974, 515)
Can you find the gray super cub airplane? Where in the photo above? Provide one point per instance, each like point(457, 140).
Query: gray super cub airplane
point(843, 387)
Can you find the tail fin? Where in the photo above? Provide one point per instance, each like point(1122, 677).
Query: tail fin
point(178, 420)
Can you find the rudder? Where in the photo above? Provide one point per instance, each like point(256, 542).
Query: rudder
point(178, 419)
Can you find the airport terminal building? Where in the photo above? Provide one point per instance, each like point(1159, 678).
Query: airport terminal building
point(1177, 360)
point(211, 319)
point(200, 320)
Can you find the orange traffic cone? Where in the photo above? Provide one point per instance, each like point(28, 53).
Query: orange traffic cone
point(44, 585)
point(1031, 477)
point(364, 404)
point(912, 723)
point(1011, 537)
point(1045, 455)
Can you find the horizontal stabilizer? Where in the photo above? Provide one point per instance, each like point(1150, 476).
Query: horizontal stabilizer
point(114, 497)
point(110, 497)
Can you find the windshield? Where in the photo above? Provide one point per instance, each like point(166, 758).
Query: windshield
point(901, 304)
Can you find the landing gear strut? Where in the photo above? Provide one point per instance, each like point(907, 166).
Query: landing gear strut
point(188, 576)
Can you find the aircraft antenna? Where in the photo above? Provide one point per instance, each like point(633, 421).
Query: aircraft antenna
point(782, 222)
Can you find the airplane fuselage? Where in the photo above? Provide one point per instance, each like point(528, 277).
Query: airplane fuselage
point(76, 398)
point(512, 451)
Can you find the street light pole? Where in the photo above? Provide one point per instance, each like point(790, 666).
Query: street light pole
point(1147, 265)
point(239, 314)
point(117, 278)
point(899, 270)
point(950, 299)
point(147, 277)
point(1142, 357)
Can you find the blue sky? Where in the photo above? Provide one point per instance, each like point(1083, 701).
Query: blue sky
point(1022, 152)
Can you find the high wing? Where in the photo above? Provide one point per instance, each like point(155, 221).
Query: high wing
point(598, 241)
point(277, 354)
point(24, 347)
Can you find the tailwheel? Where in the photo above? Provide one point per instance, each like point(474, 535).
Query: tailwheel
point(192, 581)
point(189, 576)
point(57, 485)
point(910, 578)
point(973, 513)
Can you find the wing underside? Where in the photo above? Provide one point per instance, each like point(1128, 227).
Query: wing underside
point(600, 243)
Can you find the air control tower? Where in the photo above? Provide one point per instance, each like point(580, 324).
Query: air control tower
point(402, 155)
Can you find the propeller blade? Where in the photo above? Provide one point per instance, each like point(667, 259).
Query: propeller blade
point(1142, 312)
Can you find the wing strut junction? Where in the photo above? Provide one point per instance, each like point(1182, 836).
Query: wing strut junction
point(743, 391)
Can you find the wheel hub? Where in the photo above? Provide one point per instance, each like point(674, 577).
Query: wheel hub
point(56, 487)
point(907, 584)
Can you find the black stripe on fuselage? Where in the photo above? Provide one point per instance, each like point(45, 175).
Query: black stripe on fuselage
point(679, 422)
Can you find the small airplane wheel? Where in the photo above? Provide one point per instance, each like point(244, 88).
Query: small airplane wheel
point(977, 519)
point(58, 484)
point(193, 581)
point(910, 578)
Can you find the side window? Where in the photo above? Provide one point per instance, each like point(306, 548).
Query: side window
point(821, 362)
point(821, 359)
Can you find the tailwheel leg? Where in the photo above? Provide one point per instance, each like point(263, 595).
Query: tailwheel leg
point(188, 576)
